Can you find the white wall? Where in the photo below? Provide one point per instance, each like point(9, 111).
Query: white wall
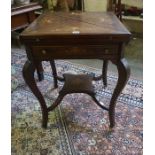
point(95, 5)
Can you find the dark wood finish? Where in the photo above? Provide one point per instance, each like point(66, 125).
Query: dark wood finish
point(54, 73)
point(116, 7)
point(28, 74)
point(104, 72)
point(72, 36)
point(69, 26)
point(79, 84)
point(39, 70)
point(47, 52)
point(123, 76)
point(22, 16)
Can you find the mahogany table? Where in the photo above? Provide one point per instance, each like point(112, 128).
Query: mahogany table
point(76, 35)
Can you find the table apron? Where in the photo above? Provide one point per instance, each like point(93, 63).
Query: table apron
point(74, 52)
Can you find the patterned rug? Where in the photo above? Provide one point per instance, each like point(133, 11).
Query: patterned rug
point(78, 126)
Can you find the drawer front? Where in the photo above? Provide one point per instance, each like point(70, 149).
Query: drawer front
point(73, 52)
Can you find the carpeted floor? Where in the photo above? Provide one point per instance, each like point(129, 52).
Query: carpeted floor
point(78, 126)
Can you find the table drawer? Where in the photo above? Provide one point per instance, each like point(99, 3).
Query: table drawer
point(65, 52)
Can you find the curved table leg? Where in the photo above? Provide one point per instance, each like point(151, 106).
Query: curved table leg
point(104, 72)
point(40, 71)
point(28, 74)
point(52, 63)
point(123, 76)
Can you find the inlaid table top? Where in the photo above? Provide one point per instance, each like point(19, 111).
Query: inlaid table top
point(73, 24)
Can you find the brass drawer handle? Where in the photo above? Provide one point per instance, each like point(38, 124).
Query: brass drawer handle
point(43, 51)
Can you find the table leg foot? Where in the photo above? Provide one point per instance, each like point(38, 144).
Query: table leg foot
point(123, 76)
point(44, 119)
